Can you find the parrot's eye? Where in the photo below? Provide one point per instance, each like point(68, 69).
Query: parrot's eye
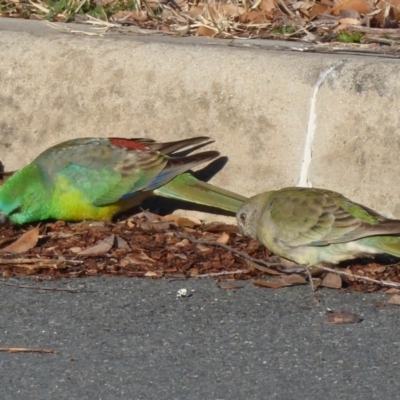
point(242, 217)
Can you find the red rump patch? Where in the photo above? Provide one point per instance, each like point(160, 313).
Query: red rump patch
point(129, 144)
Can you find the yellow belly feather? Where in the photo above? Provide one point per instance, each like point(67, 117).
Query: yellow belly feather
point(71, 204)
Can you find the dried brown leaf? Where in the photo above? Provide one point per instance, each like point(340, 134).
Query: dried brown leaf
point(361, 6)
point(342, 317)
point(392, 291)
point(195, 11)
point(124, 263)
point(394, 300)
point(151, 217)
point(349, 14)
point(289, 280)
point(394, 3)
point(187, 222)
point(182, 243)
point(331, 280)
point(121, 243)
point(229, 10)
point(101, 247)
point(139, 16)
point(349, 21)
point(262, 268)
point(205, 31)
point(301, 5)
point(203, 248)
point(224, 238)
point(255, 17)
point(152, 274)
point(274, 284)
point(217, 227)
point(26, 242)
point(140, 259)
point(154, 226)
point(319, 9)
point(121, 15)
point(229, 286)
point(268, 5)
point(294, 279)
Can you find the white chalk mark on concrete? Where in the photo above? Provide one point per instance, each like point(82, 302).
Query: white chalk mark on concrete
point(311, 127)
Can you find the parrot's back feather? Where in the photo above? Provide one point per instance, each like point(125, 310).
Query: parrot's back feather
point(304, 216)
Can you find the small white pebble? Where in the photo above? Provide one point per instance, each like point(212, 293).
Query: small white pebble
point(181, 293)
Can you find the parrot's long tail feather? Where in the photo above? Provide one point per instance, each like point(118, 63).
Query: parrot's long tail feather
point(186, 187)
point(384, 244)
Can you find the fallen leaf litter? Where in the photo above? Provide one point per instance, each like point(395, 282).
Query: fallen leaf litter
point(150, 246)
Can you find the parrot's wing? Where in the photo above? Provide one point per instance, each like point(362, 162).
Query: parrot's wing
point(319, 217)
point(172, 147)
point(107, 170)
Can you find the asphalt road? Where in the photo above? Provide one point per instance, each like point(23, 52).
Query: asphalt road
point(134, 339)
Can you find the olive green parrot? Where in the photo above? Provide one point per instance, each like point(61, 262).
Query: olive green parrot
point(312, 226)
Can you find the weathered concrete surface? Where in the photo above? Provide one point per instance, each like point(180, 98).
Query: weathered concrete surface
point(255, 103)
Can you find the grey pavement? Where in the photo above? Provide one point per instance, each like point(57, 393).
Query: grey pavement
point(134, 339)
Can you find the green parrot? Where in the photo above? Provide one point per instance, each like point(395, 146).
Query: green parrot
point(312, 226)
point(96, 178)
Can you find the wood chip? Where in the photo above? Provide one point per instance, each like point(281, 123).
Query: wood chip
point(332, 281)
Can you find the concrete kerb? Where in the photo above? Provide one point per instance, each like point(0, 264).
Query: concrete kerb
point(282, 118)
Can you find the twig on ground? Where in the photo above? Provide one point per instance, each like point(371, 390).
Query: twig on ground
point(213, 274)
point(360, 277)
point(14, 261)
point(26, 350)
point(310, 279)
point(53, 289)
point(226, 247)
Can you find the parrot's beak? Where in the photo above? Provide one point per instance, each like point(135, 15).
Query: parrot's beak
point(3, 218)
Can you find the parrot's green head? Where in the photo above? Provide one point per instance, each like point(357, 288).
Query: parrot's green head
point(22, 197)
